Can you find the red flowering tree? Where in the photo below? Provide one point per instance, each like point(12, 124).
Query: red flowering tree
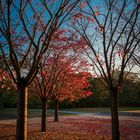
point(70, 86)
point(111, 31)
point(65, 54)
point(6, 83)
point(26, 28)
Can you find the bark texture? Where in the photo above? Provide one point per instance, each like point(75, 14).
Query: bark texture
point(43, 117)
point(56, 111)
point(1, 100)
point(114, 115)
point(21, 130)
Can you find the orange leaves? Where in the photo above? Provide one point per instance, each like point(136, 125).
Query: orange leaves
point(97, 13)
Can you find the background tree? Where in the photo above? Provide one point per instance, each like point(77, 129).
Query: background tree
point(72, 86)
point(111, 31)
point(26, 28)
point(6, 83)
point(65, 53)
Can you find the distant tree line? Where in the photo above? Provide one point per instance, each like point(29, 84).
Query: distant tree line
point(130, 96)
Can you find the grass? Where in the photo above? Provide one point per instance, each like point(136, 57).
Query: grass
point(10, 113)
point(88, 110)
point(101, 110)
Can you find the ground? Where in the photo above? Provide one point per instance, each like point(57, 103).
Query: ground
point(74, 127)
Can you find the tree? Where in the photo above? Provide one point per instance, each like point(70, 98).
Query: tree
point(5, 83)
point(70, 86)
point(64, 54)
point(111, 32)
point(131, 90)
point(26, 28)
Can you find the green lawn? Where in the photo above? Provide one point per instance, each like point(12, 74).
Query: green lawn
point(10, 113)
point(101, 110)
point(88, 110)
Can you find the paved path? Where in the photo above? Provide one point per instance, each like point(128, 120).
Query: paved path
point(123, 115)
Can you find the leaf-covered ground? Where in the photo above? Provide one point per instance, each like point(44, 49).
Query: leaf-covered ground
point(74, 128)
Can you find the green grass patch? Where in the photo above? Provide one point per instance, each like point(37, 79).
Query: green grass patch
point(100, 110)
point(11, 113)
point(88, 110)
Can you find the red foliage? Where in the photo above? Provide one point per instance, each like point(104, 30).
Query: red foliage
point(83, 4)
point(101, 29)
point(77, 16)
point(97, 13)
point(62, 74)
point(5, 80)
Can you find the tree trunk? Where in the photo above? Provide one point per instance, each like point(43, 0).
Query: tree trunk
point(43, 118)
point(56, 111)
point(114, 116)
point(21, 128)
point(1, 100)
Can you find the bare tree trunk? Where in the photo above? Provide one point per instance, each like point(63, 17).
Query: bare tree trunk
point(56, 111)
point(21, 128)
point(43, 117)
point(114, 116)
point(1, 100)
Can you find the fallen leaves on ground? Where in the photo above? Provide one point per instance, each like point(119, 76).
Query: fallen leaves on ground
point(73, 128)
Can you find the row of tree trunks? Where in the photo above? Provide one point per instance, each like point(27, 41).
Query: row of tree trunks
point(22, 114)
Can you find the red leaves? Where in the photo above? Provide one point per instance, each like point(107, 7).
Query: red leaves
point(76, 127)
point(90, 19)
point(85, 17)
point(77, 16)
point(2, 86)
point(101, 29)
point(83, 4)
point(62, 72)
point(5, 80)
point(73, 87)
point(120, 53)
point(97, 13)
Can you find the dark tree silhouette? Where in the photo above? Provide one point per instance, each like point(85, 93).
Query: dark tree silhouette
point(26, 28)
point(111, 31)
